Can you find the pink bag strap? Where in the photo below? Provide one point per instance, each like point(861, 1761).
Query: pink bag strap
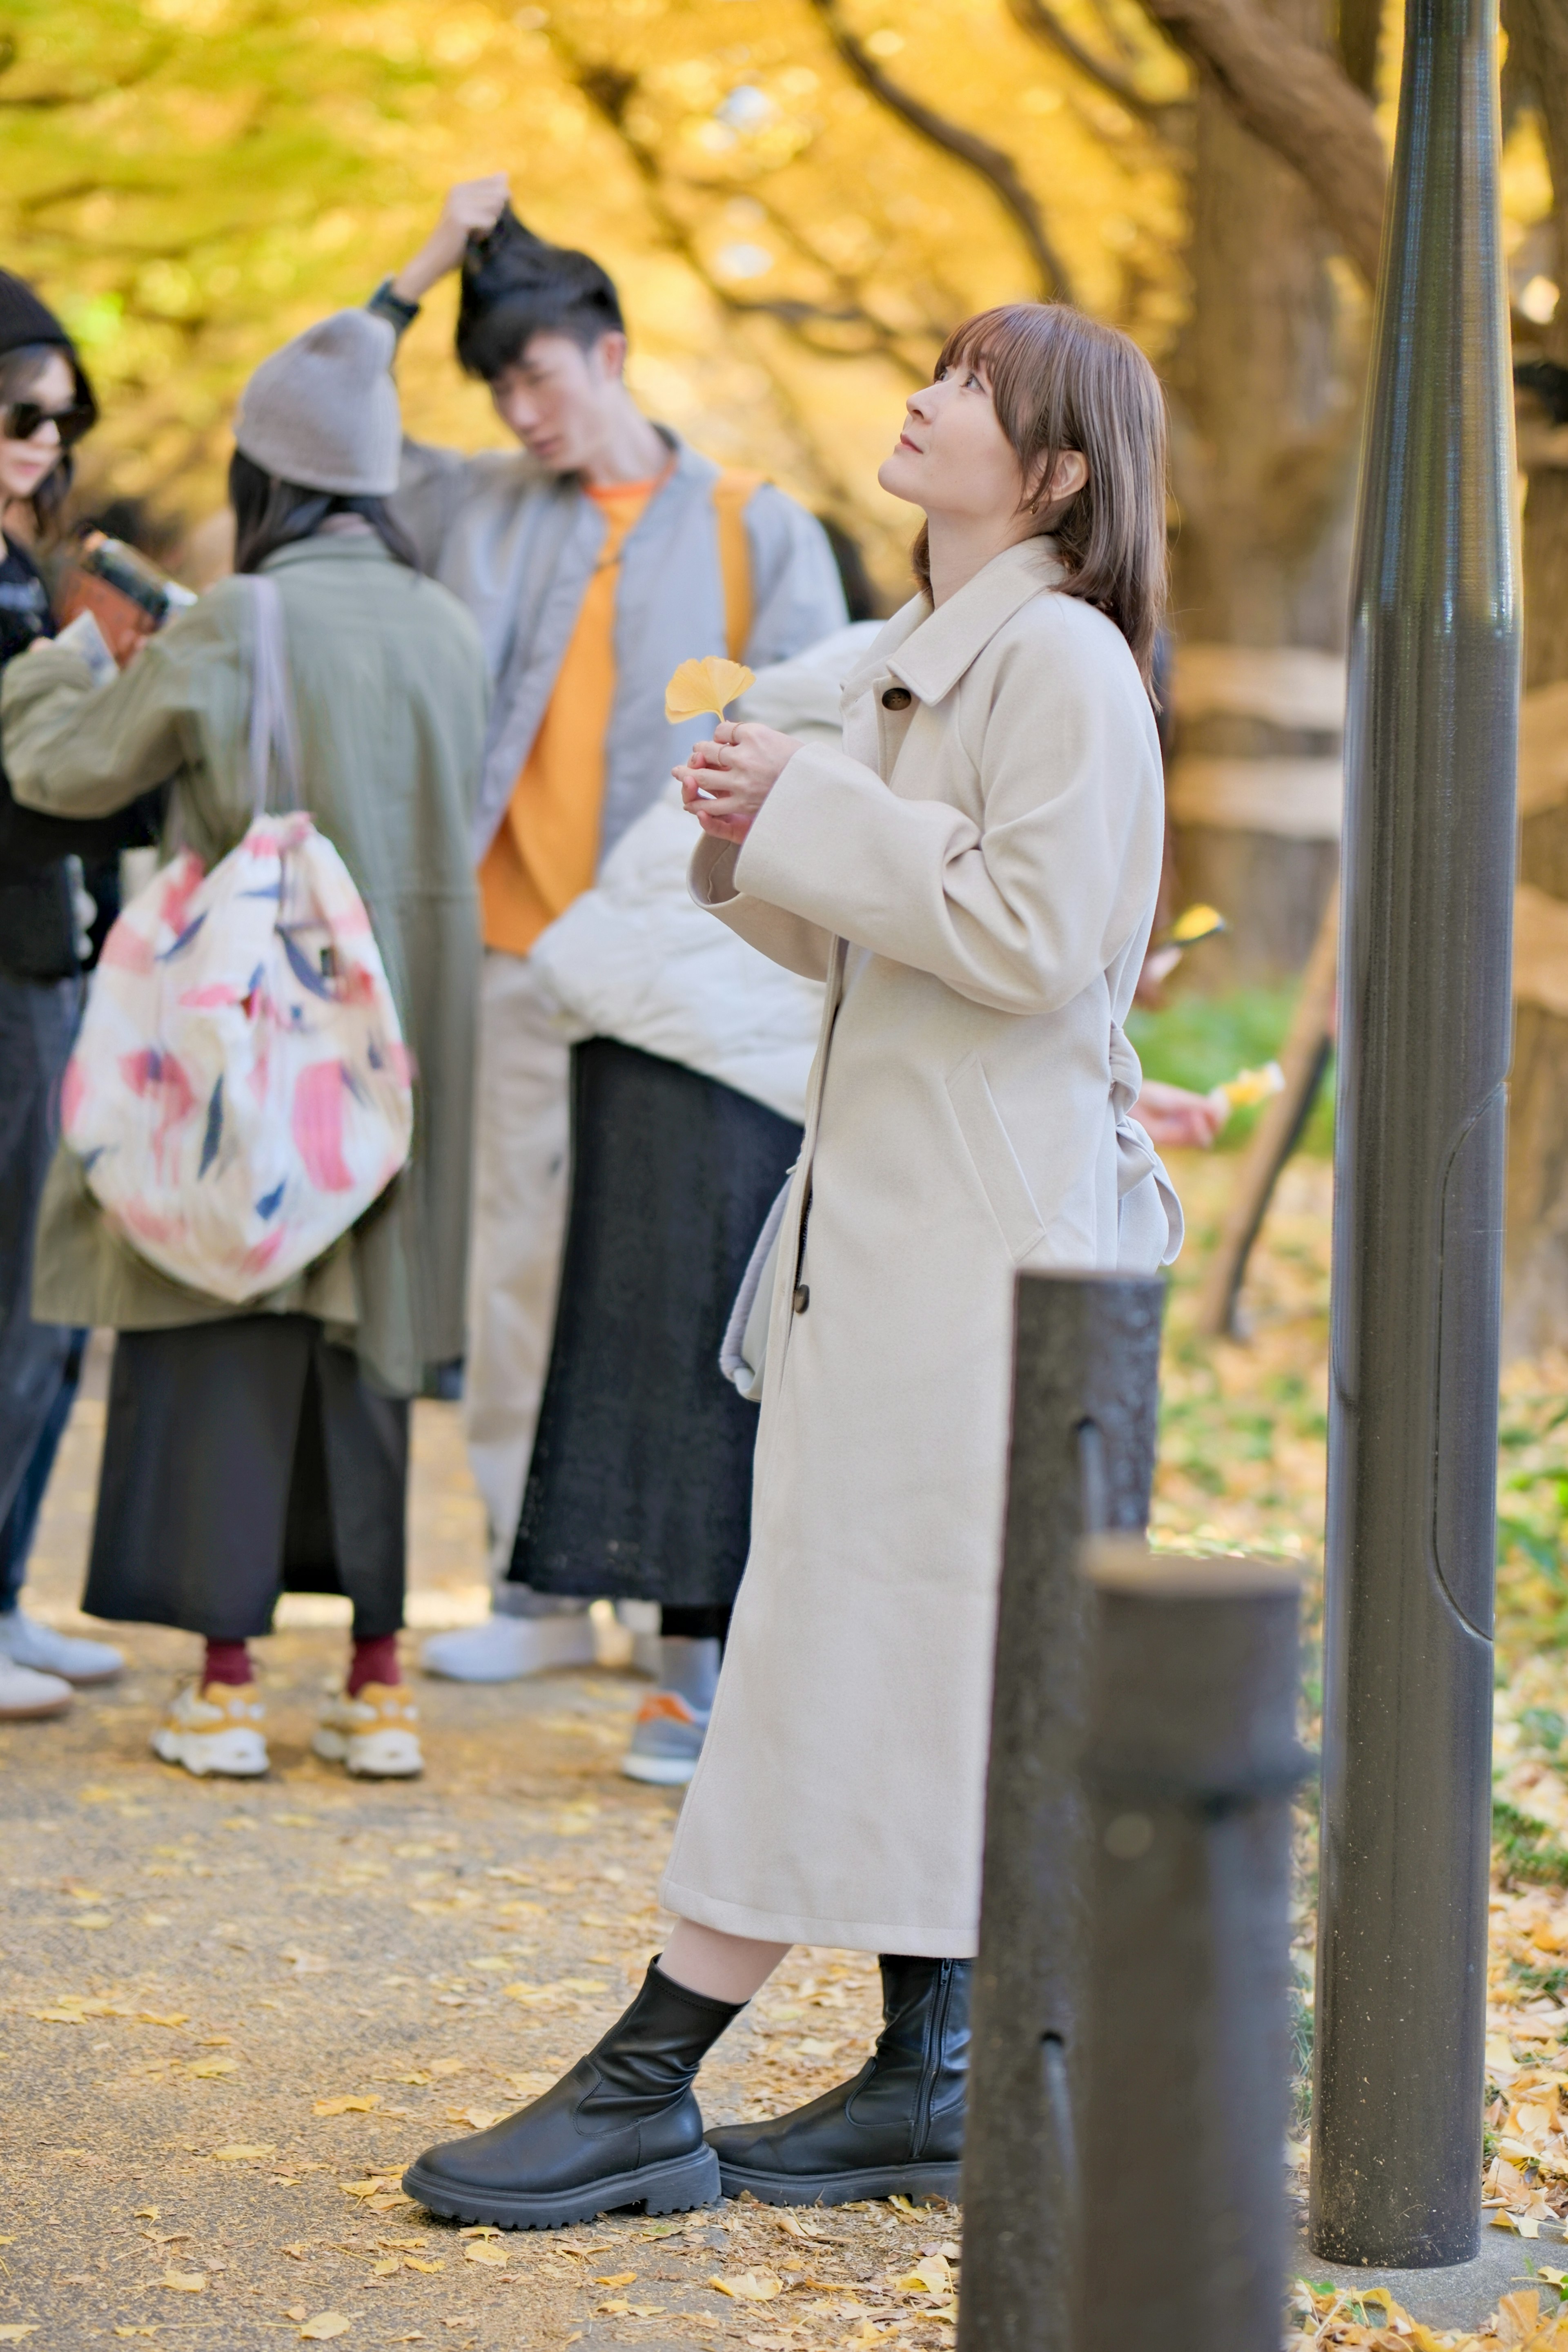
point(273, 737)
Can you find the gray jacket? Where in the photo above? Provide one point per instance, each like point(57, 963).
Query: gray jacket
point(519, 546)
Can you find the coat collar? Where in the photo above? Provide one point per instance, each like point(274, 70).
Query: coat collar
point(935, 647)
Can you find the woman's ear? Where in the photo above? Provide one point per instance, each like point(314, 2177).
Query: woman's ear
point(1068, 475)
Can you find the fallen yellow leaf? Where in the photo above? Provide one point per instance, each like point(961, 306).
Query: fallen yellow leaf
point(413, 2262)
point(185, 2281)
point(386, 2266)
point(211, 2068)
point(611, 2310)
point(487, 2250)
point(622, 2278)
point(92, 1919)
point(480, 2118)
point(58, 2017)
point(325, 2323)
point(932, 2277)
point(751, 2286)
point(13, 2330)
point(705, 685)
point(379, 2187)
point(242, 2152)
point(358, 2103)
point(448, 2066)
point(135, 2331)
point(151, 2016)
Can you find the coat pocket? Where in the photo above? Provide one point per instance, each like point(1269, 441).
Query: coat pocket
point(995, 1162)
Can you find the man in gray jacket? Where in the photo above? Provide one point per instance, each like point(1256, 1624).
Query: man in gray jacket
point(595, 559)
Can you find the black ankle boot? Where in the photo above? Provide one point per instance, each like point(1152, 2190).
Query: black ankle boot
point(622, 2128)
point(897, 2129)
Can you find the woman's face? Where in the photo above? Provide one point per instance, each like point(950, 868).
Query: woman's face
point(953, 458)
point(25, 464)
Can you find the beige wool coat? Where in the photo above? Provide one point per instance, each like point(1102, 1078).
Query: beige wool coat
point(974, 876)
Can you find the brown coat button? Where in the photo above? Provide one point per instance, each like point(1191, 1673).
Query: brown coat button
point(802, 1297)
point(897, 697)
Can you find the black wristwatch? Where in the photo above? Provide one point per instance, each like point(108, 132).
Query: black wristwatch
point(391, 307)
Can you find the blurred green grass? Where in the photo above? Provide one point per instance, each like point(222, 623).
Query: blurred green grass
point(1200, 1041)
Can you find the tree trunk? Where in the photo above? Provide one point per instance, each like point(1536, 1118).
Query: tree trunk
point(1267, 387)
point(1535, 1307)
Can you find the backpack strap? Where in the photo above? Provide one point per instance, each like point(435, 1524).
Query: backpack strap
point(273, 736)
point(731, 494)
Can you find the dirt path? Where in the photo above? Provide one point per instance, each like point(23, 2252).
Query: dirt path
point(190, 1973)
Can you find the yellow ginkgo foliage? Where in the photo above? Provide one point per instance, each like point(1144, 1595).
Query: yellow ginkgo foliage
point(705, 685)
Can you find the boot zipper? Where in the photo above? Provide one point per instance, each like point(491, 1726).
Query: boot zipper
point(932, 2060)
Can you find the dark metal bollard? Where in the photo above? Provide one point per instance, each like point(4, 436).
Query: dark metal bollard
point(1085, 1385)
point(1424, 1046)
point(1190, 1758)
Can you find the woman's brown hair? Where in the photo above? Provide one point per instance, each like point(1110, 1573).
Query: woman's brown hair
point(1060, 381)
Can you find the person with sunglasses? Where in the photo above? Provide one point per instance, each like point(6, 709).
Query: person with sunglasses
point(46, 407)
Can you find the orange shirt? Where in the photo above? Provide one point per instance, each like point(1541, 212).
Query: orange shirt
point(546, 849)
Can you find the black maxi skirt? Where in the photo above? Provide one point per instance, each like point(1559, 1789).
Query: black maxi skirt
point(640, 1485)
point(242, 1458)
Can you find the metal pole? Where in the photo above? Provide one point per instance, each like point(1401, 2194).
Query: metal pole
point(1085, 1382)
point(1424, 1044)
point(1189, 1767)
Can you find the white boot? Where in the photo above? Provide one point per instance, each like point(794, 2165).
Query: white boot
point(503, 1649)
point(27, 1643)
point(25, 1697)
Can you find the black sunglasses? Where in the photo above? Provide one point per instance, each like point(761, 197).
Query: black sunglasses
point(24, 419)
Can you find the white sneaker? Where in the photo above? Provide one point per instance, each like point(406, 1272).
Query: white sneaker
point(27, 1643)
point(372, 1733)
point(214, 1730)
point(503, 1649)
point(25, 1697)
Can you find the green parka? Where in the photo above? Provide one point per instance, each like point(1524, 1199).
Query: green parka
point(389, 692)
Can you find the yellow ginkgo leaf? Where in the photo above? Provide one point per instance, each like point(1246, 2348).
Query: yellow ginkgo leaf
point(325, 2323)
point(1196, 923)
point(751, 2286)
point(705, 685)
point(362, 2104)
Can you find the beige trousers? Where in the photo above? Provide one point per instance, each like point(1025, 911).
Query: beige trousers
point(521, 1140)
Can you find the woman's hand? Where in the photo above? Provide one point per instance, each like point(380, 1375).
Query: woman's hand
point(1175, 1120)
point(472, 209)
point(725, 782)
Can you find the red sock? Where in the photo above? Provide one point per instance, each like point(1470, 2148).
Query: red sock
point(373, 1662)
point(227, 1662)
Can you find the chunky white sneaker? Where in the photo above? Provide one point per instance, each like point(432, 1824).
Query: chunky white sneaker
point(372, 1733)
point(503, 1649)
point(214, 1730)
point(666, 1740)
point(27, 1696)
point(27, 1643)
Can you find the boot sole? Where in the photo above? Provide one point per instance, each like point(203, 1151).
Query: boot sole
point(916, 2182)
point(675, 2188)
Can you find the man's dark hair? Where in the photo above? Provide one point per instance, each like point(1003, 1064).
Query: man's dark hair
point(270, 513)
point(516, 287)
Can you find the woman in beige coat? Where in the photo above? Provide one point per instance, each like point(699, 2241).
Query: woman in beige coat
point(974, 876)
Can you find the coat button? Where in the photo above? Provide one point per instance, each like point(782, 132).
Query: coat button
point(897, 697)
point(803, 1297)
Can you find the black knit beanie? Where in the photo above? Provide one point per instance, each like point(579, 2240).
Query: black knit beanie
point(515, 286)
point(25, 319)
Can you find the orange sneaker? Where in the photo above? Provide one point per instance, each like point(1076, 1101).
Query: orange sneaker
point(666, 1741)
point(218, 1729)
point(372, 1733)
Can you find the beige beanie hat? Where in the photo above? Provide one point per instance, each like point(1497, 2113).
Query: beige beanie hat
point(323, 411)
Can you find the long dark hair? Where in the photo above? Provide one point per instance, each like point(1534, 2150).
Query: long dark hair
point(270, 513)
point(1060, 381)
point(19, 371)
